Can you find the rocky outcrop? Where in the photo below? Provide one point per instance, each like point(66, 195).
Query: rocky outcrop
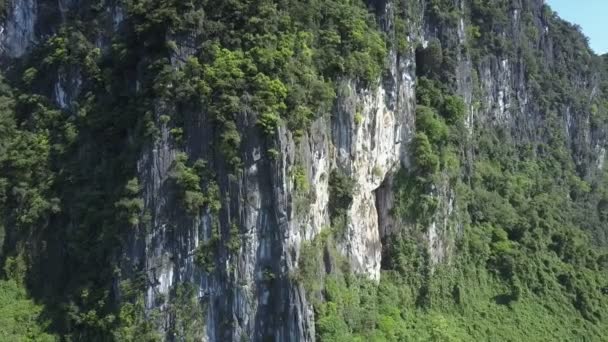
point(366, 137)
point(370, 150)
point(250, 293)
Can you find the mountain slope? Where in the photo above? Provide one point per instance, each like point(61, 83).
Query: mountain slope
point(302, 170)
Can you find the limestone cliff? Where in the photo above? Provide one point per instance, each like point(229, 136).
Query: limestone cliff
point(280, 197)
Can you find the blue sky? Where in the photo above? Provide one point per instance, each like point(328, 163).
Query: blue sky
point(590, 15)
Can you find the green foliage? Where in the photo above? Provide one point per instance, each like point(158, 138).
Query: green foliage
point(268, 275)
point(134, 325)
point(273, 153)
point(413, 199)
point(66, 177)
point(310, 271)
point(131, 206)
point(523, 266)
point(428, 123)
point(524, 207)
point(358, 118)
point(187, 313)
point(84, 158)
point(359, 50)
point(429, 60)
point(300, 179)
point(425, 159)
point(377, 171)
point(270, 104)
point(224, 80)
point(29, 75)
point(445, 12)
point(177, 134)
point(518, 204)
point(205, 254)
point(428, 93)
point(454, 109)
point(303, 195)
point(463, 305)
point(164, 119)
point(25, 157)
point(188, 180)
point(20, 317)
point(235, 240)
point(279, 63)
point(489, 18)
point(69, 47)
point(341, 191)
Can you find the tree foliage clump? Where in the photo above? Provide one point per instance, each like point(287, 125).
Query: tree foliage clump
point(131, 206)
point(341, 192)
point(188, 180)
point(275, 61)
point(20, 318)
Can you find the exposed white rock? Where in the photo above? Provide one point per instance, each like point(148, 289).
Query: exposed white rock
point(437, 234)
point(369, 131)
point(273, 229)
point(66, 88)
point(376, 149)
point(497, 92)
point(461, 32)
point(60, 95)
point(601, 158)
point(165, 280)
point(118, 16)
point(320, 186)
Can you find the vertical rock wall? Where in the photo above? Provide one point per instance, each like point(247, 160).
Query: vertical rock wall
point(250, 294)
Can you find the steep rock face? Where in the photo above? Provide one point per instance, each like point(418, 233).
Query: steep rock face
point(370, 150)
point(18, 31)
point(509, 97)
point(262, 202)
point(503, 96)
point(365, 137)
point(251, 293)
